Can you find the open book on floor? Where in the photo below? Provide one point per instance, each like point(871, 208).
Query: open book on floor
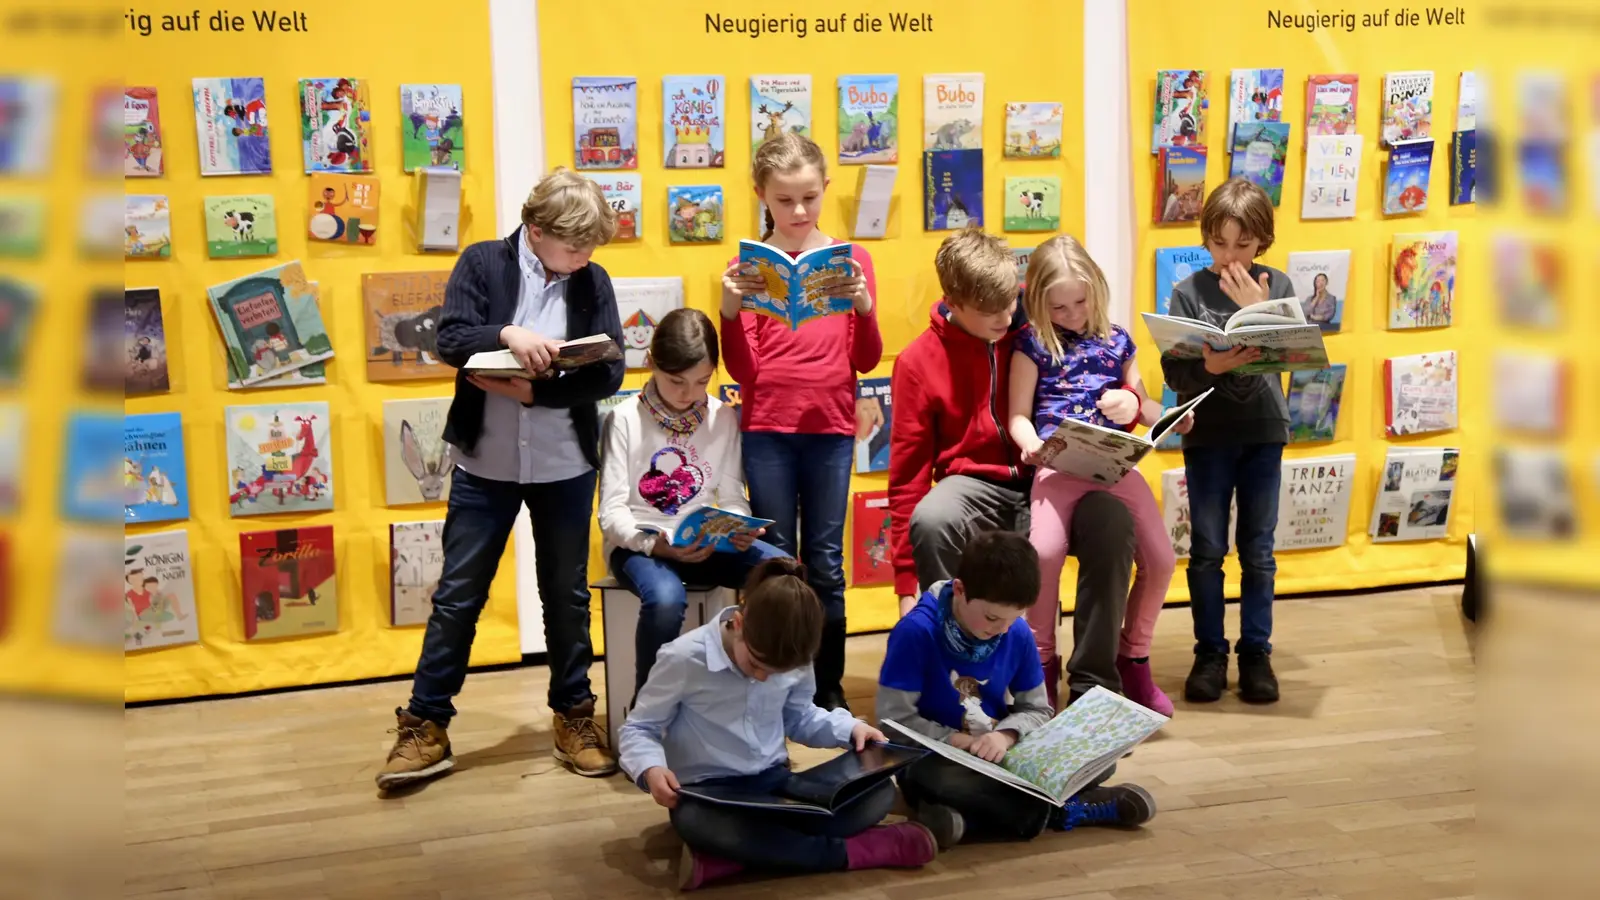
point(820, 790)
point(1288, 342)
point(797, 289)
point(718, 526)
point(585, 351)
point(1063, 755)
point(1104, 455)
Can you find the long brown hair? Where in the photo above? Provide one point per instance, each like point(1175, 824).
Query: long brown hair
point(684, 338)
point(787, 152)
point(782, 615)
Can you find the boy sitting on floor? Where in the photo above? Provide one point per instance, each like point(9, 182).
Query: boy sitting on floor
point(950, 665)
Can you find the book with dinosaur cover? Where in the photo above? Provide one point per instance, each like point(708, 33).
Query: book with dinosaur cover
point(271, 323)
point(1059, 758)
point(1278, 327)
point(158, 607)
point(402, 324)
point(286, 579)
point(798, 288)
point(1104, 455)
point(1416, 489)
point(416, 561)
point(155, 478)
point(822, 790)
point(417, 460)
point(276, 458)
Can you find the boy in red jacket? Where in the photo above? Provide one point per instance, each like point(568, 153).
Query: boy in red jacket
point(953, 471)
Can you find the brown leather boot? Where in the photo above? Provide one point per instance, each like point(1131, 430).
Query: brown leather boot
point(580, 742)
point(421, 750)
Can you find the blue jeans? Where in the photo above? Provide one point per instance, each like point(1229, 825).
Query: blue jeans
point(775, 840)
point(804, 478)
point(1216, 474)
point(658, 583)
point(477, 523)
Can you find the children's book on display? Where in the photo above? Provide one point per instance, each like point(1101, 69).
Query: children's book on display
point(1278, 327)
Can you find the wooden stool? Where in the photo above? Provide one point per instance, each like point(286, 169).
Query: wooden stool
point(619, 613)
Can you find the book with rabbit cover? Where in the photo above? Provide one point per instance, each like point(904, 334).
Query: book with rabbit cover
point(416, 559)
point(402, 324)
point(417, 461)
point(287, 581)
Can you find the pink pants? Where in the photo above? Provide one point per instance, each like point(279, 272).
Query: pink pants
point(1054, 497)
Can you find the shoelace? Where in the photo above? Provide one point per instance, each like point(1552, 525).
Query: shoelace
point(406, 735)
point(1081, 813)
point(587, 731)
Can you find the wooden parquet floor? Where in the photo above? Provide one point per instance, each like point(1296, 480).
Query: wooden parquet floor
point(1357, 785)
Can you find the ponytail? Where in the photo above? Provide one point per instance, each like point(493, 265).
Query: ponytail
point(782, 615)
point(772, 224)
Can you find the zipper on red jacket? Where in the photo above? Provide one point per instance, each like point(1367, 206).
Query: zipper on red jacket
point(994, 414)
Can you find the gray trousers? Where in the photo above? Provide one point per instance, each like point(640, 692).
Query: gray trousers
point(959, 507)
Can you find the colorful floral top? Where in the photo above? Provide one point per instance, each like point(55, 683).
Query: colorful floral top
point(1069, 390)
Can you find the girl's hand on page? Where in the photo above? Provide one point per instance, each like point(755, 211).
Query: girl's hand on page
point(663, 786)
point(694, 553)
point(1120, 405)
point(1030, 451)
point(855, 287)
point(862, 733)
point(742, 540)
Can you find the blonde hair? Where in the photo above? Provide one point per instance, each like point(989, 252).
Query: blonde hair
point(786, 152)
point(977, 271)
point(1056, 261)
point(571, 208)
point(1238, 200)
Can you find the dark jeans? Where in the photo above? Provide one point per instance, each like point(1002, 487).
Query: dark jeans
point(659, 585)
point(1252, 472)
point(776, 840)
point(478, 521)
point(804, 477)
point(991, 811)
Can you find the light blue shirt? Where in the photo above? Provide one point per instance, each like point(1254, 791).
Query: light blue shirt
point(530, 444)
point(702, 718)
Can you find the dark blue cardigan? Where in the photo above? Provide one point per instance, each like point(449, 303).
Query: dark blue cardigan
point(481, 298)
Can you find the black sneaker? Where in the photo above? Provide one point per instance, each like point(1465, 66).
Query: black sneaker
point(1257, 683)
point(1209, 677)
point(1123, 805)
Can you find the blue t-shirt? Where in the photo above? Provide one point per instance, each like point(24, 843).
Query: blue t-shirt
point(1070, 389)
point(949, 690)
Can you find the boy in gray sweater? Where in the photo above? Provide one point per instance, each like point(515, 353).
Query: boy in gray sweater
point(1235, 446)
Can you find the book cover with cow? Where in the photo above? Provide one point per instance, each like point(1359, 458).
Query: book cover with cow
point(1033, 203)
point(241, 225)
point(286, 579)
point(416, 561)
point(278, 459)
point(402, 324)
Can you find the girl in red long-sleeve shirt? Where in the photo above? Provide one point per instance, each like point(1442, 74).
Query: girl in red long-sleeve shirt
point(798, 391)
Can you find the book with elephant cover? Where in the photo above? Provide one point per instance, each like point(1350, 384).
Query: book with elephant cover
point(708, 524)
point(574, 354)
point(1104, 455)
point(822, 789)
point(1070, 751)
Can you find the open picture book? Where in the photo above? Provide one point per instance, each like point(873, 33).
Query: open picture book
point(1104, 455)
point(824, 789)
point(798, 290)
point(1063, 755)
point(1288, 342)
point(708, 524)
point(584, 351)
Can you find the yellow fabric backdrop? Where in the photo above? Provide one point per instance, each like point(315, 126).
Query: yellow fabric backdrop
point(1238, 35)
point(1028, 50)
point(405, 41)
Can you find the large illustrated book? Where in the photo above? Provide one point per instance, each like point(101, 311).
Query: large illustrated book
point(1278, 327)
point(417, 461)
point(286, 579)
point(155, 478)
point(158, 591)
point(822, 790)
point(416, 561)
point(1105, 455)
point(402, 324)
point(278, 458)
point(270, 322)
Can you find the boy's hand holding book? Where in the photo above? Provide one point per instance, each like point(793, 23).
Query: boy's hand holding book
point(663, 785)
point(739, 279)
point(1030, 450)
point(1221, 362)
point(518, 389)
point(1236, 283)
point(993, 746)
point(534, 351)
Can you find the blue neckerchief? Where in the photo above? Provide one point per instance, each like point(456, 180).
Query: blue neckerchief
point(953, 639)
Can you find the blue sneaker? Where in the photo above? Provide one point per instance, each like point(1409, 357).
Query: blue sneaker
point(1124, 805)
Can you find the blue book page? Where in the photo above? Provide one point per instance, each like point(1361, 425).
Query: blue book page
point(798, 290)
point(717, 526)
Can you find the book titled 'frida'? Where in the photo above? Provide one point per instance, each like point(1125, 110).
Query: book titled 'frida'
point(287, 579)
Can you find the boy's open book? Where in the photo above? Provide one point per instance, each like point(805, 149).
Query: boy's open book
point(716, 526)
point(574, 354)
point(1288, 343)
point(821, 790)
point(1101, 454)
point(1066, 753)
point(797, 289)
